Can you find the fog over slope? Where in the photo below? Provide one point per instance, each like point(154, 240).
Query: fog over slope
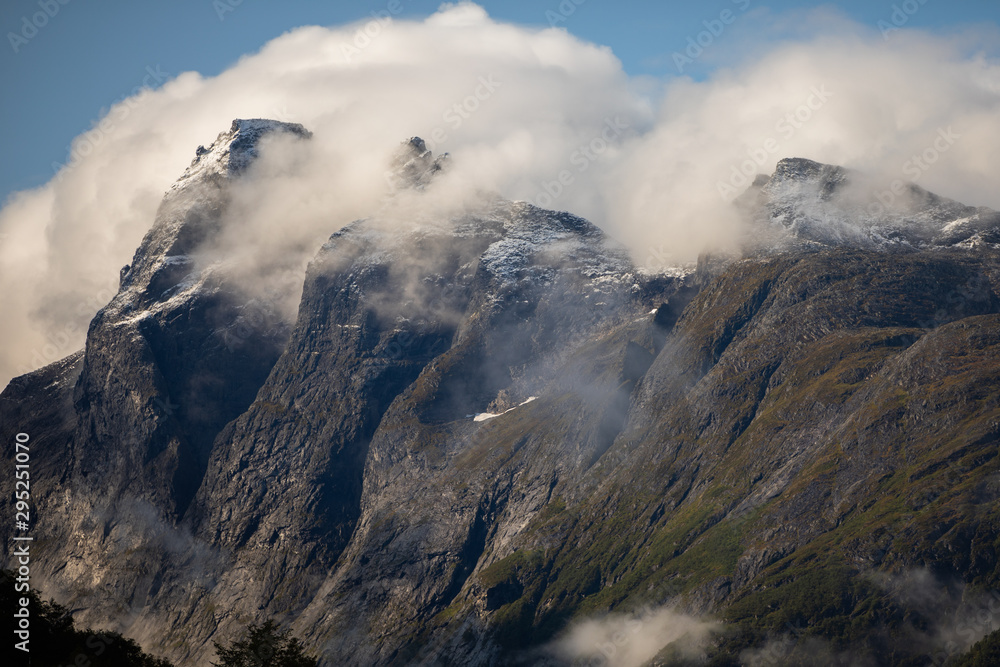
point(530, 112)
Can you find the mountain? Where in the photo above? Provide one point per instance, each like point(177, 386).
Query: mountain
point(817, 204)
point(489, 438)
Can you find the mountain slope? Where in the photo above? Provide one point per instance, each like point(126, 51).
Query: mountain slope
point(486, 424)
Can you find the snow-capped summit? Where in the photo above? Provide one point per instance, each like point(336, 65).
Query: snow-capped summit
point(163, 272)
point(808, 202)
point(234, 150)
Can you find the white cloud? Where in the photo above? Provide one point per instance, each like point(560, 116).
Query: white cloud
point(520, 109)
point(631, 640)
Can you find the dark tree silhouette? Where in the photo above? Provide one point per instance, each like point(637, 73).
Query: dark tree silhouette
point(264, 646)
point(55, 641)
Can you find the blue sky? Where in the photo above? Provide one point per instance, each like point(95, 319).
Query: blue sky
point(60, 77)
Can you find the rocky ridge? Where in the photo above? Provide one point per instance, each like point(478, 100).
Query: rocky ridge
point(805, 202)
point(764, 441)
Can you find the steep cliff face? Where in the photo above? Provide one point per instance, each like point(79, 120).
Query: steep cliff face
point(486, 424)
point(403, 338)
point(161, 376)
point(168, 362)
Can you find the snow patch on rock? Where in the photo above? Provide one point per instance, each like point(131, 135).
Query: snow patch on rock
point(234, 150)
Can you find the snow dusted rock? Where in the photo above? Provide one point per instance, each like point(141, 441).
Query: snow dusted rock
point(164, 369)
point(234, 150)
point(168, 362)
point(190, 213)
point(414, 165)
point(808, 203)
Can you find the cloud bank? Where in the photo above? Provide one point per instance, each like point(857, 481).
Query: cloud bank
point(533, 114)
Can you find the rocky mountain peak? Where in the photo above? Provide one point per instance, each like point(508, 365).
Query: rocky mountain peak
point(414, 165)
point(191, 211)
point(234, 150)
point(187, 346)
point(808, 202)
point(801, 169)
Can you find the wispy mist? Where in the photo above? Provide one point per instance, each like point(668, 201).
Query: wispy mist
point(631, 640)
point(940, 620)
